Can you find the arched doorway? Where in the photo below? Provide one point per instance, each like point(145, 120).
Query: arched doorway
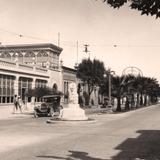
point(55, 88)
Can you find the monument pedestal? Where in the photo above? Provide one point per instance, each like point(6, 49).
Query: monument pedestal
point(73, 113)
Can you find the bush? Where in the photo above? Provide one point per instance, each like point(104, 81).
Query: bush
point(40, 92)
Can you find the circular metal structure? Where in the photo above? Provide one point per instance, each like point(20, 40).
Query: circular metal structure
point(132, 71)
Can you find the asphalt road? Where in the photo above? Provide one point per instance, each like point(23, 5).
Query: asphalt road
point(133, 135)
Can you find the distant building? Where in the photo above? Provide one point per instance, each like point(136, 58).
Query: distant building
point(24, 67)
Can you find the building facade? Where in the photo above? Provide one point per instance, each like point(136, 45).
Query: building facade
point(24, 67)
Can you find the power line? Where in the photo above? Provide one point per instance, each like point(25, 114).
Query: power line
point(72, 44)
point(20, 35)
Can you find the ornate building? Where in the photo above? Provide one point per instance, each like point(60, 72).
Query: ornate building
point(24, 67)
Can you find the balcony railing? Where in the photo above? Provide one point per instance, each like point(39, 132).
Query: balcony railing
point(25, 67)
point(42, 70)
point(7, 63)
point(13, 66)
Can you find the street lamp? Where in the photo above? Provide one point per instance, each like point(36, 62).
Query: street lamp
point(109, 73)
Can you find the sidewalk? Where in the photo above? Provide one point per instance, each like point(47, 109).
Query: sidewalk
point(6, 112)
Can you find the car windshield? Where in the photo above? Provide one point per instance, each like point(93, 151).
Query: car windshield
point(51, 99)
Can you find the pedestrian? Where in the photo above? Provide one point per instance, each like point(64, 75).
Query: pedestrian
point(60, 111)
point(20, 103)
point(15, 102)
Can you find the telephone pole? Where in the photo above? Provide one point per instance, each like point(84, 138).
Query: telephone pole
point(58, 39)
point(77, 51)
point(76, 64)
point(86, 49)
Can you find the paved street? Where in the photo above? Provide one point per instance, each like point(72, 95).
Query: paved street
point(128, 136)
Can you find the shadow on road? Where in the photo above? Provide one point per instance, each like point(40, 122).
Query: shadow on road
point(146, 147)
point(74, 155)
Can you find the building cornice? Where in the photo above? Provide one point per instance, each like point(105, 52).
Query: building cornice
point(38, 47)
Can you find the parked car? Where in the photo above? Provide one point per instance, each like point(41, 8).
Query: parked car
point(50, 106)
point(105, 102)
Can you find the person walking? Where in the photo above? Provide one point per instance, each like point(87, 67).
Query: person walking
point(20, 103)
point(15, 102)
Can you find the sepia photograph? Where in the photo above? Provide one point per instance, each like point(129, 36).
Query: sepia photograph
point(79, 80)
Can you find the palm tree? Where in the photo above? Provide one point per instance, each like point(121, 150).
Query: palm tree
point(120, 87)
point(138, 87)
point(152, 88)
point(145, 87)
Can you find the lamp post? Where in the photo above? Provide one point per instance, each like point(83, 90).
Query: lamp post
point(109, 73)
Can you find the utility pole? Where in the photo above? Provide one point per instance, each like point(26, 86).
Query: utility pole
point(58, 39)
point(76, 64)
point(77, 52)
point(86, 49)
point(109, 89)
point(110, 73)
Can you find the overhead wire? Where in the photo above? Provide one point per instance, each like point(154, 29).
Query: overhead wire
point(81, 44)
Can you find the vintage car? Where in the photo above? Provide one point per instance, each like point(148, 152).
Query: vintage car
point(49, 106)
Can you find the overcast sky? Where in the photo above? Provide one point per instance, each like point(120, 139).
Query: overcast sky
point(120, 38)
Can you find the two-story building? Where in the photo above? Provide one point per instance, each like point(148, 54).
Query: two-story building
point(24, 67)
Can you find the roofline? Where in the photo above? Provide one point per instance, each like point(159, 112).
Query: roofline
point(38, 45)
point(70, 69)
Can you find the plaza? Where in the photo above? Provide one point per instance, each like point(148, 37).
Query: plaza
point(126, 136)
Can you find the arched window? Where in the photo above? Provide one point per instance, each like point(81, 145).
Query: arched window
point(19, 55)
point(5, 55)
point(28, 57)
point(29, 54)
point(42, 54)
point(2, 55)
point(42, 58)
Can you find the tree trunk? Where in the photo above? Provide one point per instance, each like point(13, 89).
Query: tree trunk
point(132, 101)
point(89, 94)
point(138, 101)
point(141, 99)
point(127, 104)
point(118, 104)
point(145, 100)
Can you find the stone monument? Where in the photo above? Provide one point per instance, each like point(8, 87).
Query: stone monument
point(73, 110)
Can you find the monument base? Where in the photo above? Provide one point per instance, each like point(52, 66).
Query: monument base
point(73, 113)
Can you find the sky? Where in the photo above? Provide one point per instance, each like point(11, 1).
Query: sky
point(120, 38)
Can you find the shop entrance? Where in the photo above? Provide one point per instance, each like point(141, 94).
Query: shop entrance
point(24, 85)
